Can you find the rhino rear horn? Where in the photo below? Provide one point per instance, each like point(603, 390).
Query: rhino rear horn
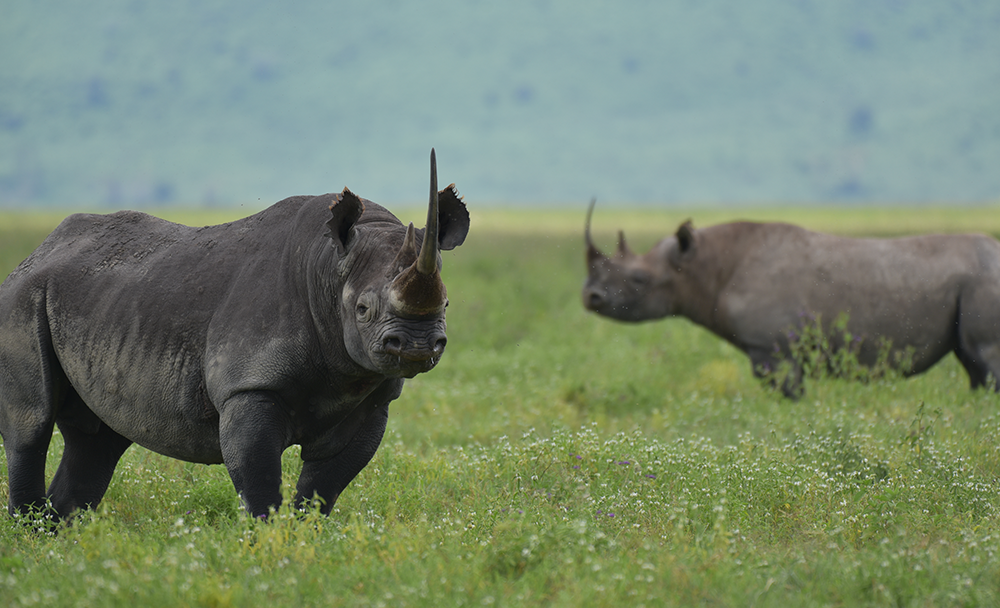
point(623, 250)
point(407, 253)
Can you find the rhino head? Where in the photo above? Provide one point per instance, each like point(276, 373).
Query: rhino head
point(632, 287)
point(393, 301)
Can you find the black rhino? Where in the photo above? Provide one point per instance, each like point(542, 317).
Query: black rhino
point(223, 344)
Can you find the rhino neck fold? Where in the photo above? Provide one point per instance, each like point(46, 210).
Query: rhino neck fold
point(703, 278)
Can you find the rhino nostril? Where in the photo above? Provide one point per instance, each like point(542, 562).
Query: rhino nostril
point(392, 345)
point(439, 346)
point(594, 300)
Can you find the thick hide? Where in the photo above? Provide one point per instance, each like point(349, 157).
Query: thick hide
point(756, 285)
point(223, 344)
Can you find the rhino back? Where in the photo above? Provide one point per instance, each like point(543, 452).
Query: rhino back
point(904, 289)
point(128, 299)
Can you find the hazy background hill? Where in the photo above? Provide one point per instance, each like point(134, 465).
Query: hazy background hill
point(129, 103)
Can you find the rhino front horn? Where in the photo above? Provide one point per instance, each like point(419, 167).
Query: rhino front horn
point(586, 230)
point(592, 251)
point(418, 290)
point(427, 260)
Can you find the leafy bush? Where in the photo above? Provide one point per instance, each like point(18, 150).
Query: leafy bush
point(816, 351)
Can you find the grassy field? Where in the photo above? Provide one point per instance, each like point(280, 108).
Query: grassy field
point(558, 458)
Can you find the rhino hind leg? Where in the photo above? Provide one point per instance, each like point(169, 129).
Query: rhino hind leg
point(89, 458)
point(982, 365)
point(31, 386)
point(778, 370)
point(978, 328)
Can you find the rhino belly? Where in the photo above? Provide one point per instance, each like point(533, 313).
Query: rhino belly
point(131, 348)
point(155, 397)
point(919, 335)
point(165, 422)
point(925, 333)
point(918, 348)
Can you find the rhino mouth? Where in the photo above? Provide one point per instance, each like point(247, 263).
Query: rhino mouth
point(595, 300)
point(398, 365)
point(602, 302)
point(408, 357)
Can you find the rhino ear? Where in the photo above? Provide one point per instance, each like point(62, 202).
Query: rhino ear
point(347, 208)
point(685, 236)
point(453, 219)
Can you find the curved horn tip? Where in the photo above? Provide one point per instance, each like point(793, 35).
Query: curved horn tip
point(590, 213)
point(427, 258)
point(434, 183)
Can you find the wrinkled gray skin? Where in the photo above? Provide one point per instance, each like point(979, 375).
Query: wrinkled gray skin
point(224, 344)
point(752, 284)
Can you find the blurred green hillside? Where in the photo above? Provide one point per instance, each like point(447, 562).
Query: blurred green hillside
point(130, 103)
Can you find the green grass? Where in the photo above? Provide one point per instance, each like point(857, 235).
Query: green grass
point(558, 458)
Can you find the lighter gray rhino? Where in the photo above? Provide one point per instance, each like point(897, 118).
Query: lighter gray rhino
point(754, 284)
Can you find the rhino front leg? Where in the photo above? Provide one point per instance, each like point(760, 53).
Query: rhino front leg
point(253, 432)
point(327, 478)
point(778, 370)
point(88, 463)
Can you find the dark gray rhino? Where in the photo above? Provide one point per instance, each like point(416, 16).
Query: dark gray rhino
point(755, 285)
point(224, 344)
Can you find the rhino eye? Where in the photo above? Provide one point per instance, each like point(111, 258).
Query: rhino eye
point(363, 311)
point(638, 280)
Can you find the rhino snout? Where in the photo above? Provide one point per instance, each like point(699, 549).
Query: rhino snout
point(400, 345)
point(593, 299)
